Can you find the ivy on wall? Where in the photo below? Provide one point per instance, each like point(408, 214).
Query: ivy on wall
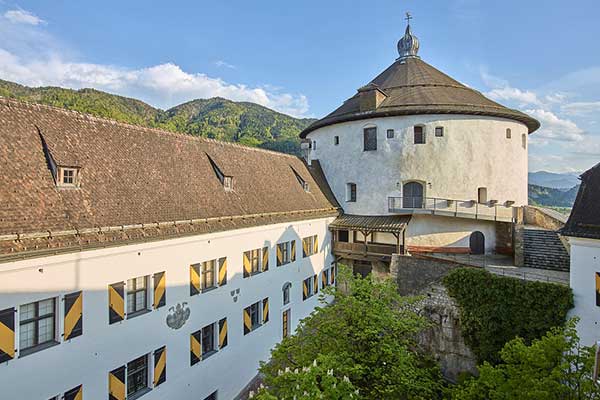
point(495, 309)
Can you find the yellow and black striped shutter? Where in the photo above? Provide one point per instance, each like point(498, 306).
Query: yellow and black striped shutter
point(7, 334)
point(195, 347)
point(293, 255)
point(222, 271)
point(194, 279)
point(116, 302)
point(247, 266)
point(316, 245)
point(160, 290)
point(73, 315)
point(305, 289)
point(74, 394)
point(332, 274)
point(160, 366)
point(222, 333)
point(323, 279)
point(247, 321)
point(116, 384)
point(315, 284)
point(265, 303)
point(265, 259)
point(304, 247)
point(598, 289)
point(279, 254)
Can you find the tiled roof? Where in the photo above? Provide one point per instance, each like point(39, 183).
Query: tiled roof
point(584, 220)
point(376, 223)
point(132, 175)
point(414, 87)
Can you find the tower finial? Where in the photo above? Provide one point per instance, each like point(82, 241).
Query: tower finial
point(408, 45)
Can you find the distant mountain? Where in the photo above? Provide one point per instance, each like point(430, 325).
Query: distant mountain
point(218, 118)
point(551, 197)
point(554, 180)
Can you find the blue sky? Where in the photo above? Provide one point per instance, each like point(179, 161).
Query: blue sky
point(305, 58)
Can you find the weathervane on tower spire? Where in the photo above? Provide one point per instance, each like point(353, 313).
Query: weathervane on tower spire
point(408, 45)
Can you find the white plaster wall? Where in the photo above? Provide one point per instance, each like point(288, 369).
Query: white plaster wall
point(88, 359)
point(585, 262)
point(439, 231)
point(474, 152)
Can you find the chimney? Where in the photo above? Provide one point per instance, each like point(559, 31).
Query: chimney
point(370, 97)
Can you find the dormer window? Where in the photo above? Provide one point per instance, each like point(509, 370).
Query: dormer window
point(68, 177)
point(302, 182)
point(226, 181)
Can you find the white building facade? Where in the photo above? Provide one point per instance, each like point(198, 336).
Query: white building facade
point(582, 231)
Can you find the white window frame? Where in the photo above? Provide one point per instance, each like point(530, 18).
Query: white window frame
point(147, 299)
point(61, 176)
point(38, 346)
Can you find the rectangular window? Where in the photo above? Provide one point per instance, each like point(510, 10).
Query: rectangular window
point(482, 195)
point(207, 279)
point(67, 176)
point(255, 315)
point(308, 289)
point(524, 141)
point(285, 323)
point(598, 289)
point(284, 253)
point(208, 340)
point(508, 133)
point(310, 246)
point(137, 296)
point(439, 131)
point(419, 135)
point(325, 278)
point(228, 183)
point(370, 139)
point(390, 133)
point(37, 324)
point(314, 145)
point(351, 192)
point(137, 376)
point(336, 140)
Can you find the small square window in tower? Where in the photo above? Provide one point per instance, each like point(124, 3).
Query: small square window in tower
point(390, 133)
point(370, 139)
point(508, 133)
point(419, 135)
point(351, 192)
point(439, 131)
point(336, 140)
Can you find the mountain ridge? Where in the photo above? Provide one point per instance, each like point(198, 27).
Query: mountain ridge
point(217, 118)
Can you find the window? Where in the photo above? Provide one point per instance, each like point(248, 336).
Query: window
point(351, 192)
point(419, 135)
point(336, 140)
point(228, 183)
point(255, 260)
point(524, 141)
point(212, 396)
point(37, 325)
point(508, 133)
point(310, 246)
point(309, 287)
point(343, 236)
point(207, 280)
point(285, 323)
point(482, 195)
point(390, 133)
point(256, 315)
point(286, 293)
point(67, 177)
point(137, 376)
point(412, 195)
point(137, 296)
point(286, 252)
point(370, 139)
point(325, 277)
point(314, 146)
point(439, 131)
point(598, 289)
point(208, 340)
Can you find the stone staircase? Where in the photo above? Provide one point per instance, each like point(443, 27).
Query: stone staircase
point(544, 249)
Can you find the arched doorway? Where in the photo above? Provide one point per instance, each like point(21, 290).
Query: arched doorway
point(477, 243)
point(412, 195)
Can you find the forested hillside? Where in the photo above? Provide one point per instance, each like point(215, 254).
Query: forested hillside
point(545, 196)
point(218, 118)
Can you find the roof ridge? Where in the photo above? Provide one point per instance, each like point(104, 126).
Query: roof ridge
point(86, 116)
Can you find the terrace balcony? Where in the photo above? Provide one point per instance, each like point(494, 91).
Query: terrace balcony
point(490, 211)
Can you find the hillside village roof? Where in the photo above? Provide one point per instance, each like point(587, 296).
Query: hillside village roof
point(584, 220)
point(135, 183)
point(414, 87)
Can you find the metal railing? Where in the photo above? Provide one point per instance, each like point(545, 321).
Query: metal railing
point(458, 208)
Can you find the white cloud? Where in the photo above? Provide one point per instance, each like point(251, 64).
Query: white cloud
point(513, 94)
point(555, 128)
point(224, 64)
point(23, 17)
point(581, 108)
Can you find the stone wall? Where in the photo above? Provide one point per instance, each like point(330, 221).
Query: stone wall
point(543, 217)
point(422, 276)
